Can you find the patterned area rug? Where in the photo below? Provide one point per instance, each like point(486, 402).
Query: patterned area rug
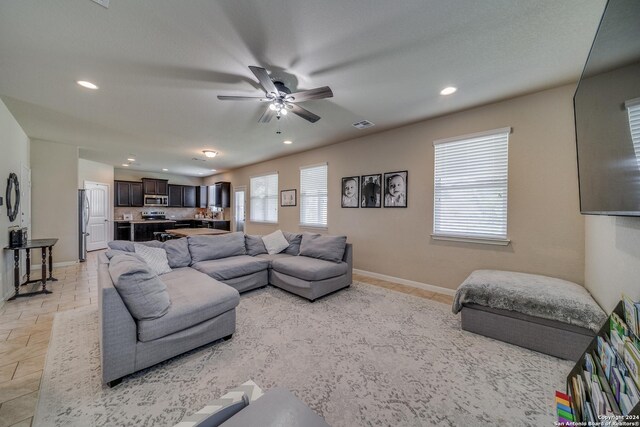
point(363, 356)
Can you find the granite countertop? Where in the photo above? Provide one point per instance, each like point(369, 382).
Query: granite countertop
point(145, 221)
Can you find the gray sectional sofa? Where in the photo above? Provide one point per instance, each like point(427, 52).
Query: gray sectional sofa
point(194, 303)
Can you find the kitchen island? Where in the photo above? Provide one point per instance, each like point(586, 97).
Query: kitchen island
point(186, 232)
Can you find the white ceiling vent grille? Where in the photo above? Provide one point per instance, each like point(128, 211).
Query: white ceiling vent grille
point(103, 3)
point(363, 124)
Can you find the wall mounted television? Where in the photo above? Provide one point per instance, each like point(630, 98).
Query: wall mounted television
point(607, 115)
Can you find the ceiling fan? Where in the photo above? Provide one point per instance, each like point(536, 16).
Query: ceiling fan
point(280, 98)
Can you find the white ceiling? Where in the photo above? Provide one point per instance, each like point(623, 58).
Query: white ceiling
point(161, 63)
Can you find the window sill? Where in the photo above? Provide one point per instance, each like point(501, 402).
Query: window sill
point(314, 227)
point(478, 240)
point(263, 222)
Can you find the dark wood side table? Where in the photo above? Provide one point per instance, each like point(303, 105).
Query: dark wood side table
point(42, 244)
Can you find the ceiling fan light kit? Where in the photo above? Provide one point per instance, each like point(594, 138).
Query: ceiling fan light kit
point(281, 99)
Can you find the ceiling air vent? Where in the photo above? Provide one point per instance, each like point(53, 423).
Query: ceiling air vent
point(363, 124)
point(103, 3)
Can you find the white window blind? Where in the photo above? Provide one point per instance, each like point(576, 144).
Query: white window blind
point(313, 195)
point(470, 195)
point(633, 109)
point(264, 198)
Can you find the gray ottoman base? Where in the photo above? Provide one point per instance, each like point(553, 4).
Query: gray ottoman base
point(542, 335)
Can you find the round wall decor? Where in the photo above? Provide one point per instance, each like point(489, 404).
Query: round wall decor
point(13, 197)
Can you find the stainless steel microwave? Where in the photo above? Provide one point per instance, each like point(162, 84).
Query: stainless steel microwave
point(151, 200)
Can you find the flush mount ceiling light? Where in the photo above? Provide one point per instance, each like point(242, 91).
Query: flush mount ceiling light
point(131, 159)
point(165, 170)
point(125, 165)
point(87, 84)
point(287, 142)
point(448, 90)
point(212, 170)
point(210, 153)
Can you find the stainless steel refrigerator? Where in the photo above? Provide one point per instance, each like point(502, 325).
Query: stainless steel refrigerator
point(83, 222)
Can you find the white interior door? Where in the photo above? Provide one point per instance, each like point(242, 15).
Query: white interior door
point(99, 215)
point(239, 203)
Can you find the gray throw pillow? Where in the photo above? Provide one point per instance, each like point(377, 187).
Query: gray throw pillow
point(204, 248)
point(177, 250)
point(329, 248)
point(113, 252)
point(294, 240)
point(254, 245)
point(142, 291)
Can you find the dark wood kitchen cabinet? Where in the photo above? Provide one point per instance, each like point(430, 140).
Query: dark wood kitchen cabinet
point(220, 195)
point(156, 187)
point(201, 196)
point(175, 196)
point(189, 196)
point(128, 194)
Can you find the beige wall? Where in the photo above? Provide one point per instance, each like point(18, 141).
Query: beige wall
point(14, 154)
point(132, 175)
point(54, 183)
point(544, 224)
point(612, 259)
point(93, 171)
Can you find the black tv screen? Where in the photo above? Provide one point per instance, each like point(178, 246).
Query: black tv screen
point(607, 115)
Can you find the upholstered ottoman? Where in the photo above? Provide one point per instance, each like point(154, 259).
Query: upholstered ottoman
point(541, 313)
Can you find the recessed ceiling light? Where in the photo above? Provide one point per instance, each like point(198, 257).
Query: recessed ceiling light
point(200, 173)
point(448, 90)
point(125, 164)
point(131, 159)
point(213, 170)
point(165, 170)
point(210, 153)
point(287, 142)
point(87, 84)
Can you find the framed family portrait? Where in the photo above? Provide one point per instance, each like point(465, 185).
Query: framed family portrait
point(395, 189)
point(288, 198)
point(370, 188)
point(350, 192)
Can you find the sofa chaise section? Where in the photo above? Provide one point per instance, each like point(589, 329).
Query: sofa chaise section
point(202, 310)
point(242, 272)
point(312, 278)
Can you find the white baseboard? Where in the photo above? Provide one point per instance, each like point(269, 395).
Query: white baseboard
point(412, 283)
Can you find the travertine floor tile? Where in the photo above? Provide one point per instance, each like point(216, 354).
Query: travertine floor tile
point(19, 387)
point(24, 353)
point(39, 337)
point(13, 344)
point(29, 366)
point(7, 371)
point(18, 409)
point(23, 423)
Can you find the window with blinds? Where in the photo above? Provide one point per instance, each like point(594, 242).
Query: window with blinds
point(633, 109)
point(264, 198)
point(470, 194)
point(313, 195)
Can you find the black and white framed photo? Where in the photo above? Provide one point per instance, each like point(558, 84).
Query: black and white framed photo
point(350, 192)
point(370, 191)
point(395, 189)
point(288, 198)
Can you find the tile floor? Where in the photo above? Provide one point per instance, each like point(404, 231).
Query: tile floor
point(25, 326)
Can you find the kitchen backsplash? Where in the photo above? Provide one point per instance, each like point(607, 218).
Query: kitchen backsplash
point(172, 213)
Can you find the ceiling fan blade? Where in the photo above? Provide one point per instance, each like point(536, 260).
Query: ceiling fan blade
point(267, 116)
point(306, 95)
point(242, 98)
point(305, 114)
point(264, 79)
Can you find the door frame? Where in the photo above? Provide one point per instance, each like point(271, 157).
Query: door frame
point(109, 204)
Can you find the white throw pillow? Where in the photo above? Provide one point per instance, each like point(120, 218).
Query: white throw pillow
point(156, 258)
point(275, 242)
